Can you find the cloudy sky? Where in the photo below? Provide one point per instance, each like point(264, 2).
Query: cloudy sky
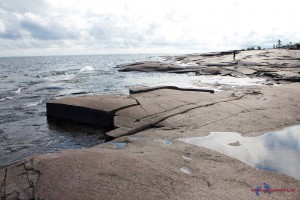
point(64, 27)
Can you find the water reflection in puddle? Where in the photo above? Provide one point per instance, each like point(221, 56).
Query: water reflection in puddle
point(119, 145)
point(164, 141)
point(274, 151)
point(185, 170)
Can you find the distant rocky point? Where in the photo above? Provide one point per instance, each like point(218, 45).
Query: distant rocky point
point(274, 64)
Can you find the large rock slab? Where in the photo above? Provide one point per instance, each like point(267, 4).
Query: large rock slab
point(122, 111)
point(150, 66)
point(91, 109)
point(148, 89)
point(185, 102)
point(259, 111)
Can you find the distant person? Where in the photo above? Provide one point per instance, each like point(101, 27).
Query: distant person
point(234, 52)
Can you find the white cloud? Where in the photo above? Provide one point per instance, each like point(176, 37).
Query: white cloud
point(154, 26)
point(2, 26)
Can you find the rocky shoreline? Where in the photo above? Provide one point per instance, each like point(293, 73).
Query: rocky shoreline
point(276, 65)
point(144, 159)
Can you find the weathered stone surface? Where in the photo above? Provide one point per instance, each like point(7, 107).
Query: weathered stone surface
point(16, 184)
point(123, 121)
point(2, 175)
point(257, 112)
point(92, 109)
point(245, 71)
point(135, 112)
point(121, 111)
point(2, 183)
point(148, 89)
point(150, 66)
point(152, 120)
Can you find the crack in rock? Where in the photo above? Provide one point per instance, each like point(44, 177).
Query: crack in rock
point(21, 185)
point(3, 185)
point(151, 121)
point(138, 103)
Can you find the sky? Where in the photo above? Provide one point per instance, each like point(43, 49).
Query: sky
point(69, 27)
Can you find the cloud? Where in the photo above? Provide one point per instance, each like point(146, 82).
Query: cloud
point(45, 28)
point(24, 6)
point(120, 31)
point(99, 26)
point(30, 25)
point(2, 27)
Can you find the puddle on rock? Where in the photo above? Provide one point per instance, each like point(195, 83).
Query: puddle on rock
point(277, 151)
point(185, 170)
point(119, 145)
point(164, 141)
point(186, 158)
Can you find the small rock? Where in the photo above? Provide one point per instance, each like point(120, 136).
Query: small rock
point(237, 143)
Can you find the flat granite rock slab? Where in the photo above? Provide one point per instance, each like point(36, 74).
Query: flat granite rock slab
point(101, 110)
point(107, 103)
point(153, 119)
point(154, 101)
point(246, 71)
point(149, 66)
point(178, 95)
point(159, 104)
point(137, 90)
point(91, 109)
point(163, 100)
point(135, 112)
point(123, 121)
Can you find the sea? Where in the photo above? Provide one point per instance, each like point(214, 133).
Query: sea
point(27, 83)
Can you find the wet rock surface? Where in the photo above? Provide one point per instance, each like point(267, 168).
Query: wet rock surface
point(146, 161)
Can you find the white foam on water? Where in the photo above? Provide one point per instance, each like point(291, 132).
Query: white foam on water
point(18, 91)
point(87, 68)
point(7, 98)
point(32, 104)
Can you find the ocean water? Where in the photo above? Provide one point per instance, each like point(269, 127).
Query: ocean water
point(27, 83)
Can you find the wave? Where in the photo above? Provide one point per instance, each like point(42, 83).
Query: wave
point(6, 98)
point(87, 68)
point(18, 91)
point(32, 104)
